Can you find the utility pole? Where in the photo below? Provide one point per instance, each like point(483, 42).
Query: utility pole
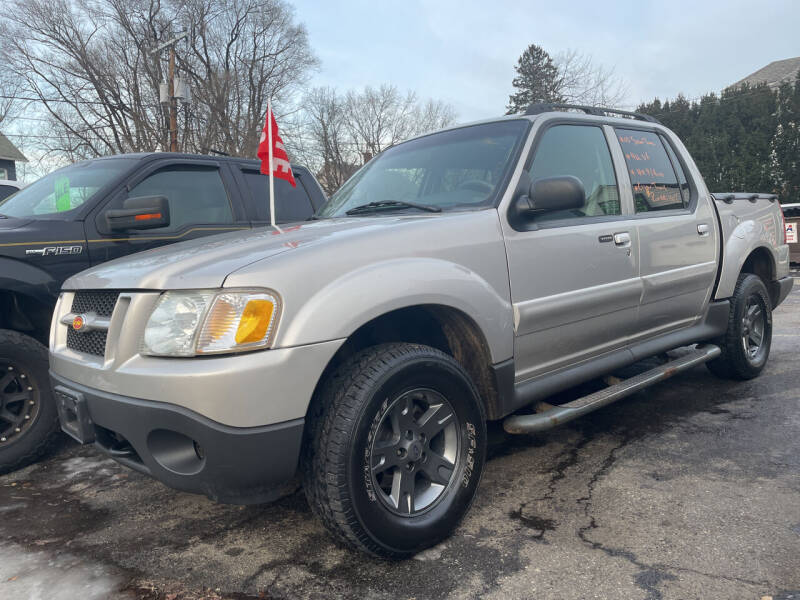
point(171, 99)
point(173, 103)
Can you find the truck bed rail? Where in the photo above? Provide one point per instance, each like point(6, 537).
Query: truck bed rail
point(729, 197)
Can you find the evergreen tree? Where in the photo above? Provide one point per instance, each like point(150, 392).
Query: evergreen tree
point(737, 139)
point(537, 80)
point(786, 144)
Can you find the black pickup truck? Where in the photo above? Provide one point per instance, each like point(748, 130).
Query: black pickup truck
point(95, 211)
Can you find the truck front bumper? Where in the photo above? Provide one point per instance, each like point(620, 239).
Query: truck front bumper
point(181, 448)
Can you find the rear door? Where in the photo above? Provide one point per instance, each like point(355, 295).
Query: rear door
point(678, 239)
point(574, 274)
point(201, 203)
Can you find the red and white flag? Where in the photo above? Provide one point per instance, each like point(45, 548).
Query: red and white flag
point(280, 159)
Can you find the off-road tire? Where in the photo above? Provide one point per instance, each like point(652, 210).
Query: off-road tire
point(27, 356)
point(736, 362)
point(341, 430)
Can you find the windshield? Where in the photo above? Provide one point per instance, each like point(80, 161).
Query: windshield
point(452, 170)
point(56, 195)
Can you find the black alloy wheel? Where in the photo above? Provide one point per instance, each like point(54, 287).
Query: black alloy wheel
point(19, 403)
point(28, 415)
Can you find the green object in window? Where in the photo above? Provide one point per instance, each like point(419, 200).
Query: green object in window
point(61, 192)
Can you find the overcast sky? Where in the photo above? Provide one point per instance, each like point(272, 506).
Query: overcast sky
point(464, 52)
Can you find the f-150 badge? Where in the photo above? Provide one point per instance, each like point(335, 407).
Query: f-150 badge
point(56, 250)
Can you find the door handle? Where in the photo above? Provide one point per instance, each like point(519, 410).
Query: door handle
point(622, 239)
point(702, 229)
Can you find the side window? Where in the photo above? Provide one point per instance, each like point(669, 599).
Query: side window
point(655, 185)
point(291, 203)
point(580, 151)
point(196, 195)
point(6, 191)
point(682, 181)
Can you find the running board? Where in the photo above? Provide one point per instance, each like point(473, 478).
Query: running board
point(553, 416)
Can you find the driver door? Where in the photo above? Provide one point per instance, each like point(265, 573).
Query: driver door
point(574, 274)
point(199, 205)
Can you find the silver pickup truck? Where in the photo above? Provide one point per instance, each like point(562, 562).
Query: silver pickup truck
point(459, 277)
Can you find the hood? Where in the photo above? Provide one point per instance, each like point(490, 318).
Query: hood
point(206, 262)
point(7, 223)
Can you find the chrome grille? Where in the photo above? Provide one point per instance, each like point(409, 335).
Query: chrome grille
point(100, 303)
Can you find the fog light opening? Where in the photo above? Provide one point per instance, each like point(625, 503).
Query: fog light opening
point(176, 452)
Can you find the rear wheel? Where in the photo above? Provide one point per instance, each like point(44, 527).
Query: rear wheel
point(747, 342)
point(395, 449)
point(28, 417)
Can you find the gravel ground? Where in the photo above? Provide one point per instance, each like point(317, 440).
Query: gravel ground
point(690, 489)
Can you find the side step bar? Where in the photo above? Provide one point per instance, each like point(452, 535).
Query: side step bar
point(553, 416)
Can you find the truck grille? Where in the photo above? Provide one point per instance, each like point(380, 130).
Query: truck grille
point(100, 303)
point(90, 342)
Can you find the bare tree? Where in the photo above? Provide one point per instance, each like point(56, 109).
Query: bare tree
point(338, 132)
point(324, 144)
point(581, 81)
point(381, 117)
point(10, 86)
point(89, 64)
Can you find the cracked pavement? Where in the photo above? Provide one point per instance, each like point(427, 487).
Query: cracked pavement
point(690, 489)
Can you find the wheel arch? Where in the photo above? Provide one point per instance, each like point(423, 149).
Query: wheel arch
point(758, 259)
point(440, 326)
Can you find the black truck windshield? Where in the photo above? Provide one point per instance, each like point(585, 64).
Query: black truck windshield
point(453, 170)
point(56, 195)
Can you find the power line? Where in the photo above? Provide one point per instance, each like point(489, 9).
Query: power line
point(45, 100)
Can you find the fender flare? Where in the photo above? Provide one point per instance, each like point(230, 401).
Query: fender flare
point(747, 237)
point(29, 280)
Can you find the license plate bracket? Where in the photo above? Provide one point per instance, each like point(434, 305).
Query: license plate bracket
point(73, 412)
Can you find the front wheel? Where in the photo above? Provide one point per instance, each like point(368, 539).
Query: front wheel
point(747, 342)
point(28, 417)
point(395, 449)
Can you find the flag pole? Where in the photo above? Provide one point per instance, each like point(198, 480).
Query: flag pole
point(271, 184)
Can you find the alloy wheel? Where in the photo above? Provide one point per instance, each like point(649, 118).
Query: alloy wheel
point(414, 453)
point(19, 404)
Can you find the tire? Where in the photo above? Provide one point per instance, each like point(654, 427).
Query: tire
point(358, 420)
point(747, 341)
point(28, 415)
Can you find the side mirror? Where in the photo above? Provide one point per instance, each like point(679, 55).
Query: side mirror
point(145, 212)
point(551, 193)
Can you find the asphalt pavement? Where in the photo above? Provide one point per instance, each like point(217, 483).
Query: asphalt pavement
point(690, 489)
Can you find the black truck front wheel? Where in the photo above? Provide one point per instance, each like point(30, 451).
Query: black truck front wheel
point(747, 342)
point(28, 416)
point(395, 449)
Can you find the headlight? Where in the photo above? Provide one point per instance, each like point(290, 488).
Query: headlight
point(211, 322)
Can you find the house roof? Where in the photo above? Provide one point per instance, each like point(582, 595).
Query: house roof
point(774, 74)
point(9, 151)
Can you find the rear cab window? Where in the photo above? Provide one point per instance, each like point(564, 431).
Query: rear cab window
point(657, 178)
point(291, 203)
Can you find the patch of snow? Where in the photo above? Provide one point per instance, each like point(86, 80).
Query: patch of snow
point(40, 575)
point(80, 465)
